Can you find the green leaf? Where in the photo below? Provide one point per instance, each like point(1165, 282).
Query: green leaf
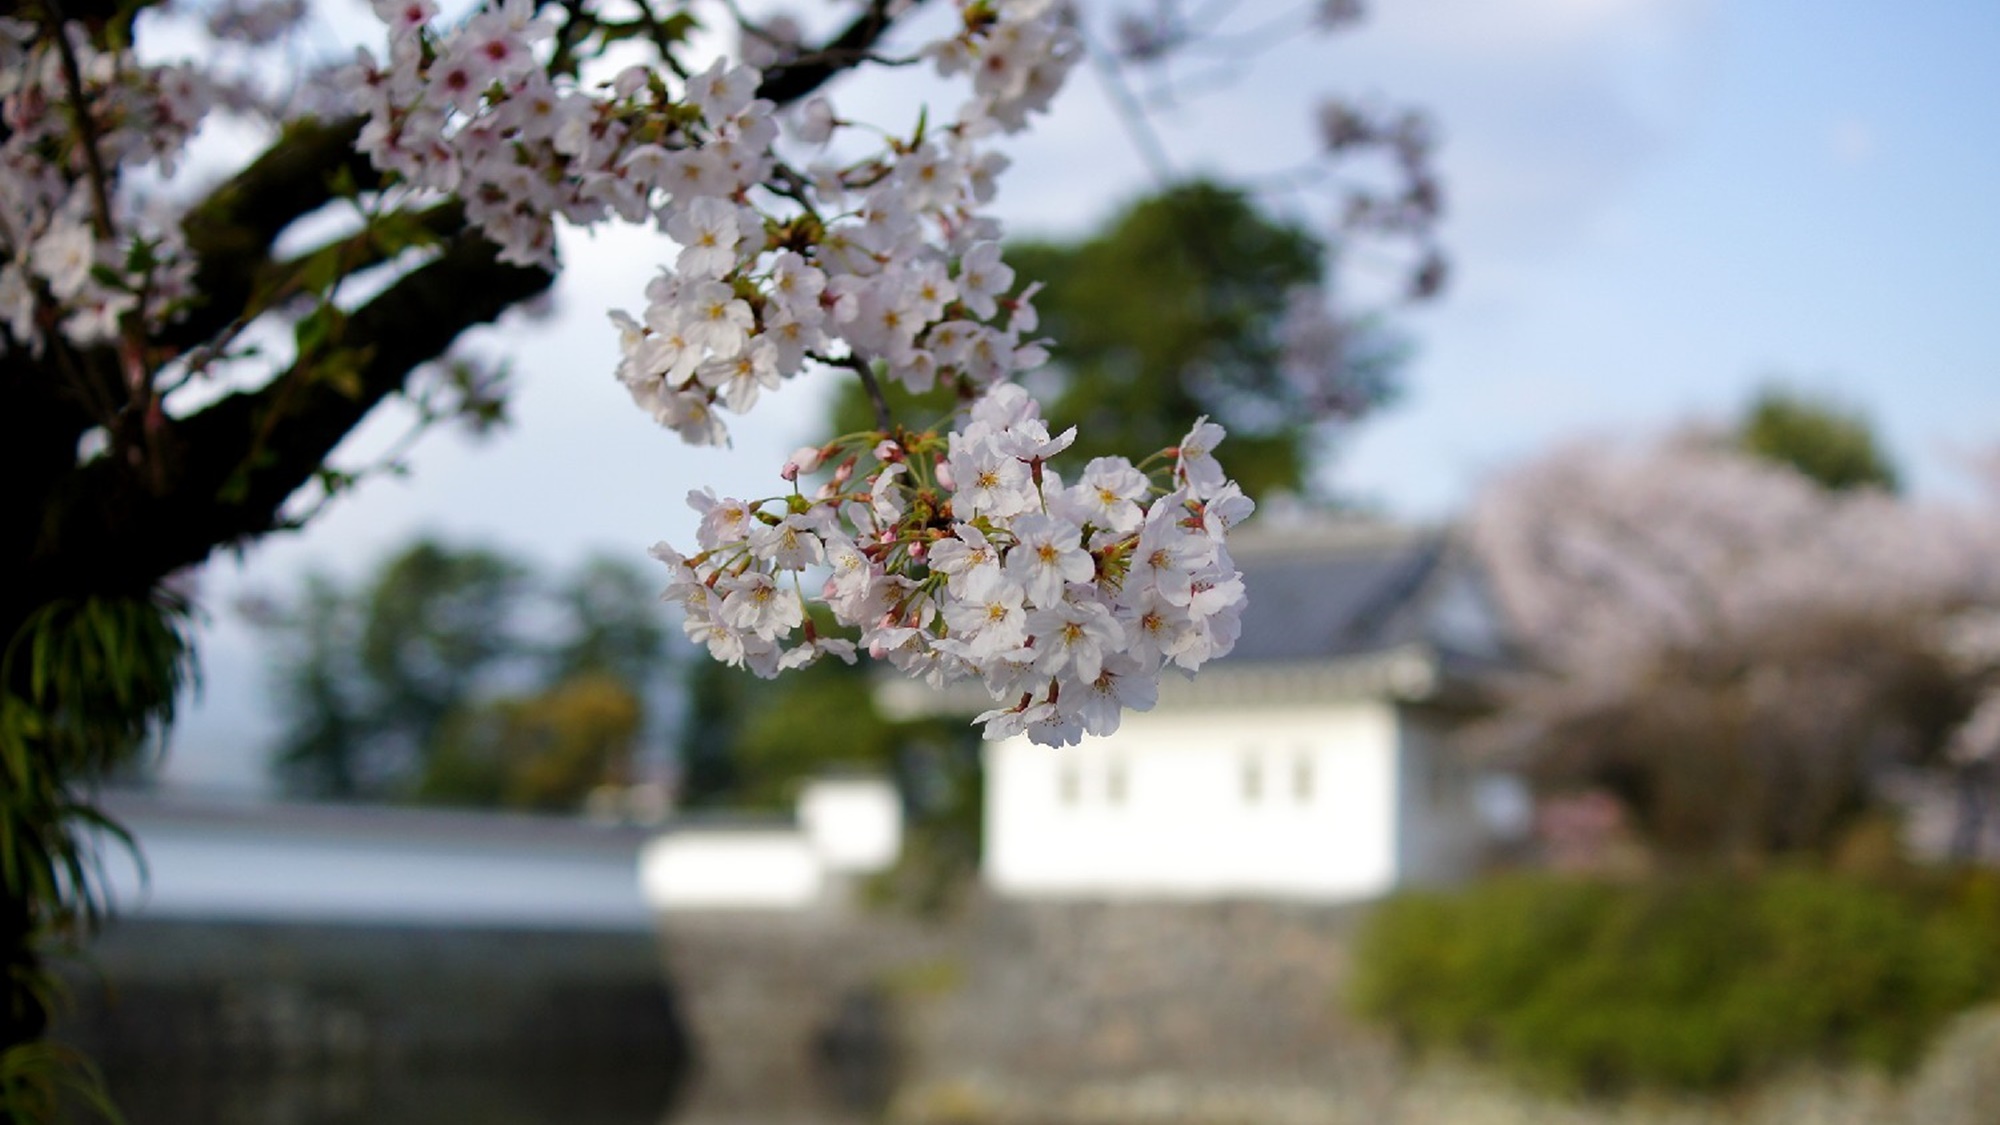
point(341, 182)
point(323, 269)
point(319, 329)
point(677, 27)
point(341, 369)
point(141, 257)
point(398, 231)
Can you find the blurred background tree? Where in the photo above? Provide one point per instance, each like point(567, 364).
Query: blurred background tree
point(718, 704)
point(1739, 648)
point(1196, 301)
point(453, 675)
point(1830, 443)
point(546, 750)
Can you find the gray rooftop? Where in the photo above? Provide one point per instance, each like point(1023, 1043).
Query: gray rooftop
point(1351, 588)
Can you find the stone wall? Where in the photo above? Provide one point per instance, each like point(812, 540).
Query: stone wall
point(1071, 992)
point(1023, 1003)
point(781, 1016)
point(791, 1015)
point(1062, 1003)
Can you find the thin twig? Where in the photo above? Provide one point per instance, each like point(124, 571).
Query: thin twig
point(131, 334)
point(884, 419)
point(86, 126)
point(1131, 113)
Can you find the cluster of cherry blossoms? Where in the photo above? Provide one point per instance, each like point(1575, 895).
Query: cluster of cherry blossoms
point(967, 556)
point(878, 260)
point(75, 257)
point(952, 557)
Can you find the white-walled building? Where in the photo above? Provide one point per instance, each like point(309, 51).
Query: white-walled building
point(1312, 763)
point(855, 823)
point(842, 827)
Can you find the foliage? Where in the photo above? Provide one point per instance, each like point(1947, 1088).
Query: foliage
point(602, 627)
point(82, 687)
point(37, 1080)
point(822, 720)
point(1194, 301)
point(371, 676)
point(748, 744)
point(1829, 443)
point(718, 702)
point(1695, 984)
point(544, 751)
point(433, 681)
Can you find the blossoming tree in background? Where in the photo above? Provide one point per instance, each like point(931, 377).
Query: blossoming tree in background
point(1736, 652)
point(179, 355)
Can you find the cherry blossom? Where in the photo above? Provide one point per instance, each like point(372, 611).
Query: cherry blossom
point(1065, 611)
point(955, 555)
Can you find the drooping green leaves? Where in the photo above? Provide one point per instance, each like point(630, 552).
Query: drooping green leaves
point(84, 684)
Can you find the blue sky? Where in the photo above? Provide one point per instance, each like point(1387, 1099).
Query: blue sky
point(1656, 205)
point(1802, 195)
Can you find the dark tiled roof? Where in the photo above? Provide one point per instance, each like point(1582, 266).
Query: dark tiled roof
point(1329, 596)
point(1355, 588)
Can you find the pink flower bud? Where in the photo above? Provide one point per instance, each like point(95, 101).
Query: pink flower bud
point(944, 478)
point(886, 450)
point(804, 459)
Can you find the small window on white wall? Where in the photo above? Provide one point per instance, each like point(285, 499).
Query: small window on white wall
point(1114, 782)
point(1302, 777)
point(1253, 778)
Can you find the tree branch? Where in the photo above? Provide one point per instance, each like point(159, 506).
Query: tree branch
point(790, 82)
point(231, 231)
point(243, 457)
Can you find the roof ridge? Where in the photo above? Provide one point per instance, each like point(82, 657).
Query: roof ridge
point(1326, 536)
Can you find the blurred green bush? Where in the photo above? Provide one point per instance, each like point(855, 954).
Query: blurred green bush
point(1697, 983)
